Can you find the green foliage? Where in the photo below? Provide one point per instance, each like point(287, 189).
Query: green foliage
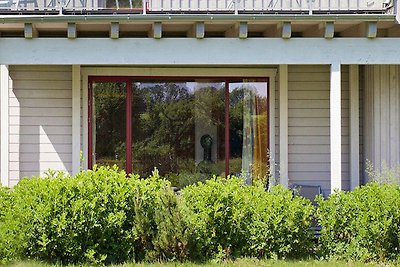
point(361, 225)
point(97, 217)
point(229, 219)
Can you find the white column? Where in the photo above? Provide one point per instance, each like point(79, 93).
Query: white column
point(354, 127)
point(4, 92)
point(76, 118)
point(283, 125)
point(335, 128)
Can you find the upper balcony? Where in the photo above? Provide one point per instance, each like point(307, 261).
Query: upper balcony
point(19, 7)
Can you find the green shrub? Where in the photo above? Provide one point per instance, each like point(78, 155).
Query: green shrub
point(98, 216)
point(101, 217)
point(229, 219)
point(361, 225)
point(280, 224)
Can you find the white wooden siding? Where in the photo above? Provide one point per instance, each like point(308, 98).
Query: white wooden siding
point(382, 116)
point(309, 142)
point(40, 120)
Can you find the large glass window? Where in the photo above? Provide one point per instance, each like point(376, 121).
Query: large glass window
point(188, 129)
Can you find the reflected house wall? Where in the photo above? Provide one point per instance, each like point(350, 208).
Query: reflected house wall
point(40, 120)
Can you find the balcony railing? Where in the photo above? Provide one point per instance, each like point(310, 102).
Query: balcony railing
point(201, 6)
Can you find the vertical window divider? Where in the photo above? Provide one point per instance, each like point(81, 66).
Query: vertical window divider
point(90, 130)
point(226, 128)
point(128, 126)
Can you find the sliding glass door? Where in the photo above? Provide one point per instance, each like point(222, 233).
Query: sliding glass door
point(189, 129)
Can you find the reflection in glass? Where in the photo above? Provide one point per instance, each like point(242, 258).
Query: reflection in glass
point(248, 118)
point(178, 127)
point(181, 128)
point(109, 113)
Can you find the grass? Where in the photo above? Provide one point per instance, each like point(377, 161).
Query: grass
point(237, 263)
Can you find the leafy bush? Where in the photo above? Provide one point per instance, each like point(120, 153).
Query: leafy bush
point(229, 219)
point(101, 217)
point(98, 216)
point(361, 225)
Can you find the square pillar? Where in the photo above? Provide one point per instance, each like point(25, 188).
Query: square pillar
point(354, 127)
point(76, 118)
point(283, 125)
point(335, 127)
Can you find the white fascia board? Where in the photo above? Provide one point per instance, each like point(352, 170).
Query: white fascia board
point(190, 51)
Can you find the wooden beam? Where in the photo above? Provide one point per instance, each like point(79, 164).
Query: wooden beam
point(71, 31)
point(4, 112)
point(335, 127)
point(114, 30)
point(200, 30)
point(76, 118)
point(156, 31)
point(286, 30)
point(30, 31)
point(283, 125)
point(237, 30)
point(243, 30)
point(372, 29)
point(197, 30)
point(329, 30)
point(354, 127)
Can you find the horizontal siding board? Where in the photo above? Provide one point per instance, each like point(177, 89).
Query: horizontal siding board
point(51, 102)
point(42, 121)
point(309, 95)
point(33, 157)
point(303, 77)
point(42, 85)
point(40, 139)
point(43, 148)
point(43, 94)
point(306, 103)
point(314, 158)
point(41, 112)
point(48, 130)
point(40, 166)
point(315, 122)
point(314, 113)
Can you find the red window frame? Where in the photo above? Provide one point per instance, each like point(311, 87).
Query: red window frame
point(129, 79)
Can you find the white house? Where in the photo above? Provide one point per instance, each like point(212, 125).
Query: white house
point(310, 88)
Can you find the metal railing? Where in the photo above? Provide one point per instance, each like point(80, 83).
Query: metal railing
point(304, 6)
point(211, 6)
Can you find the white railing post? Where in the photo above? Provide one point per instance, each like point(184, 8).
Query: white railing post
point(235, 3)
point(310, 7)
point(144, 7)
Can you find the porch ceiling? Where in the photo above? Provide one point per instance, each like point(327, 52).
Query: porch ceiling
point(214, 25)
